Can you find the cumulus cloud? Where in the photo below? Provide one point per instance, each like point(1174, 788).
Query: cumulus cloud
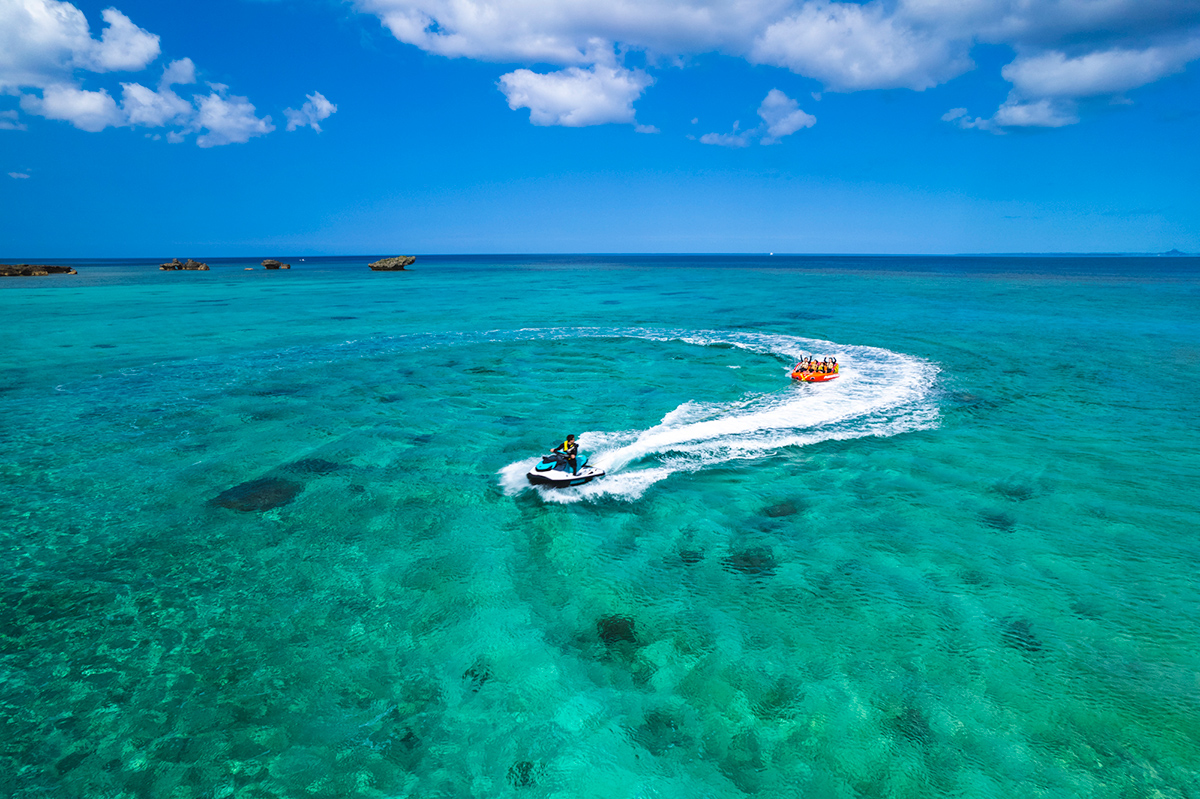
point(576, 97)
point(962, 119)
point(43, 41)
point(181, 71)
point(40, 41)
point(19, 175)
point(313, 111)
point(570, 32)
point(155, 109)
point(10, 120)
point(90, 111)
point(46, 44)
point(1039, 114)
point(1046, 85)
point(228, 119)
point(850, 47)
point(1066, 48)
point(736, 138)
point(123, 47)
point(1054, 74)
point(781, 116)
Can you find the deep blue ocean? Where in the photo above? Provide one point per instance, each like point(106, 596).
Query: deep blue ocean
point(267, 533)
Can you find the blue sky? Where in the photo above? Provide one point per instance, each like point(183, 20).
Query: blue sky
point(238, 127)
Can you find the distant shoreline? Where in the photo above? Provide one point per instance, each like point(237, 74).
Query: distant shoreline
point(230, 260)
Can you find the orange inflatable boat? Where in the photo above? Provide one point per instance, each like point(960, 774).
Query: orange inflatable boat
point(814, 377)
point(806, 371)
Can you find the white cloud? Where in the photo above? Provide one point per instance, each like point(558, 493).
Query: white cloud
point(10, 120)
point(962, 119)
point(782, 116)
point(180, 71)
point(1053, 74)
point(576, 97)
point(646, 129)
point(90, 111)
point(735, 138)
point(571, 32)
point(228, 119)
point(313, 111)
point(19, 175)
point(1047, 84)
point(1067, 48)
point(44, 44)
point(154, 109)
point(1040, 114)
point(850, 47)
point(1017, 113)
point(39, 41)
point(123, 46)
point(43, 41)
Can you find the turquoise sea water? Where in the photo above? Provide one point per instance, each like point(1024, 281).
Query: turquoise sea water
point(267, 534)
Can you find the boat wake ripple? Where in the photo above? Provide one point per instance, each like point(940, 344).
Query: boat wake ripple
point(879, 393)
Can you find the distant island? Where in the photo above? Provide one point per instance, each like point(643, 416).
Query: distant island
point(34, 270)
point(190, 265)
point(394, 264)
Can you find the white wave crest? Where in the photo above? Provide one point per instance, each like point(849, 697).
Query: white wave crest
point(878, 393)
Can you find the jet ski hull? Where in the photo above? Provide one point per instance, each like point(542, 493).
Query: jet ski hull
point(555, 478)
point(554, 472)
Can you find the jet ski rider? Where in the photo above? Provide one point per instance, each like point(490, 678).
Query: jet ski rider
point(569, 450)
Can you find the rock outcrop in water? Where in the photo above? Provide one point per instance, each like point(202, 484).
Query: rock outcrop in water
point(34, 270)
point(262, 494)
point(615, 629)
point(755, 561)
point(271, 263)
point(190, 265)
point(394, 264)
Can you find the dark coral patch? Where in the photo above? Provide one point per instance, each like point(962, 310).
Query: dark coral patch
point(998, 520)
point(756, 561)
point(277, 391)
point(524, 774)
point(1015, 489)
point(691, 556)
point(313, 466)
point(478, 674)
point(70, 762)
point(911, 725)
point(1018, 634)
point(779, 509)
point(660, 733)
point(262, 494)
point(615, 629)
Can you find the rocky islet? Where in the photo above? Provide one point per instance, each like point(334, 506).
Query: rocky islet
point(175, 265)
point(34, 270)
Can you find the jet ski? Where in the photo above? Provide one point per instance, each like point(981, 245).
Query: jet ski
point(554, 472)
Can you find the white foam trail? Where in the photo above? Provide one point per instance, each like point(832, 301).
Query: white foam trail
point(878, 393)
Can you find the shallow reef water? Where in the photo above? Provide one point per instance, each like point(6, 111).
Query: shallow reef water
point(289, 551)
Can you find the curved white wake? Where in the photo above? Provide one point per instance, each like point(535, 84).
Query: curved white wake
point(879, 393)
